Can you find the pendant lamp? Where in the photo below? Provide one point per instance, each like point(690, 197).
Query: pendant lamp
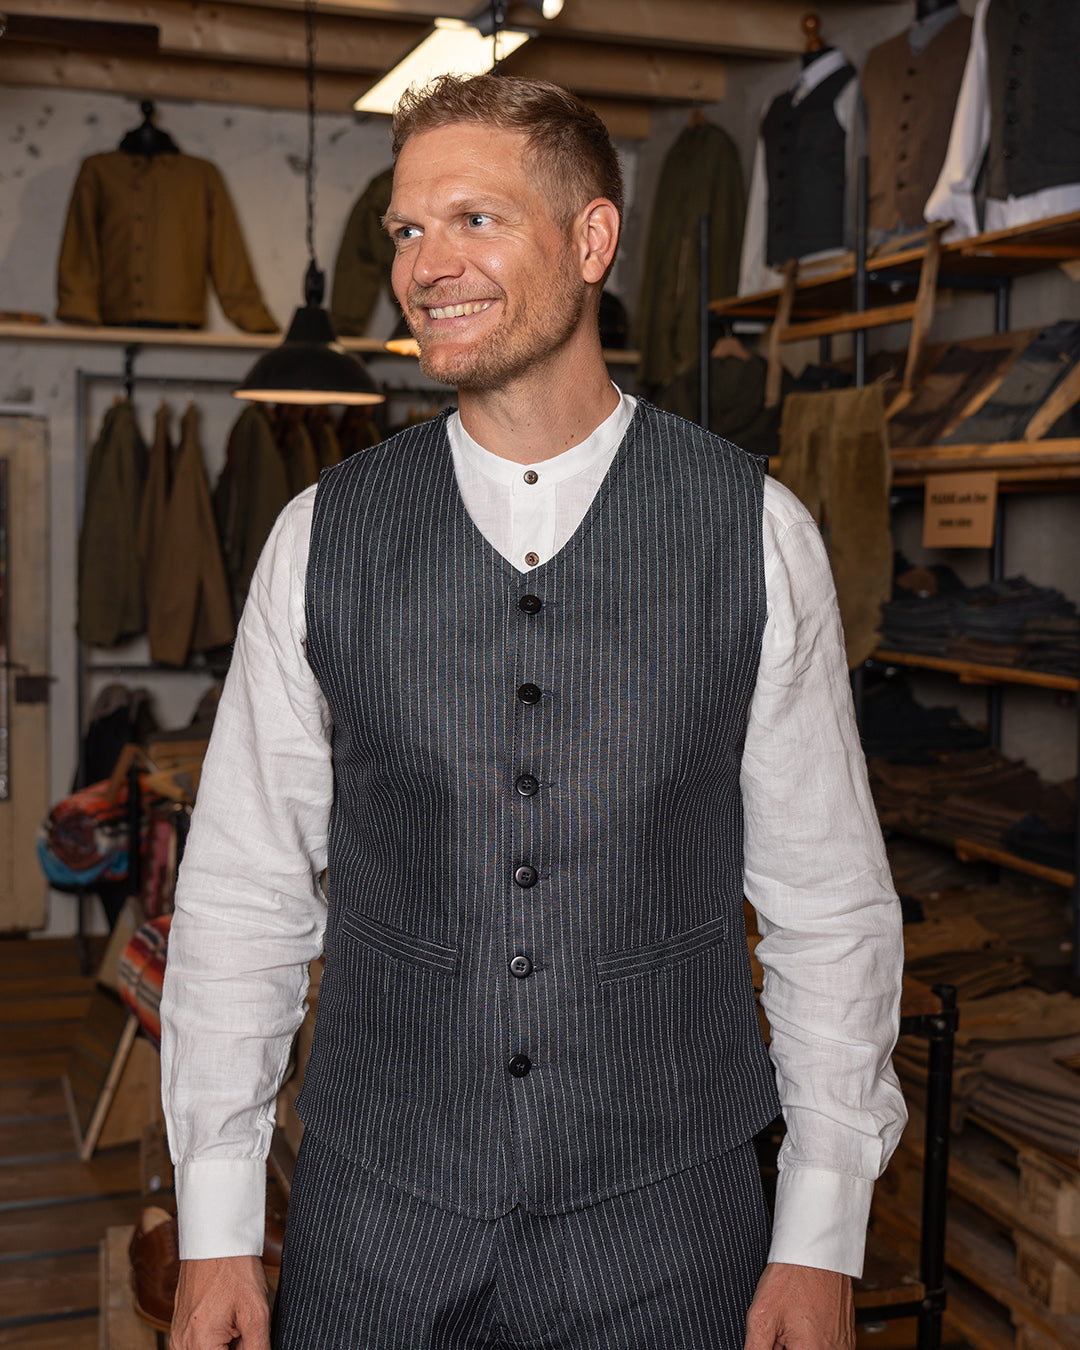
point(311, 365)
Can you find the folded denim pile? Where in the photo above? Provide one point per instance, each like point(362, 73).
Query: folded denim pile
point(1011, 622)
point(979, 795)
point(897, 728)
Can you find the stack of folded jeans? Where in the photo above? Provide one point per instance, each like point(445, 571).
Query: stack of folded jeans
point(898, 729)
point(1003, 623)
point(969, 794)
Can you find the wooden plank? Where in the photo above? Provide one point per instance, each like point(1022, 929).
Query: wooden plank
point(1060, 401)
point(888, 1277)
point(765, 28)
point(23, 889)
point(251, 33)
point(121, 1328)
point(38, 1038)
point(44, 1097)
point(774, 372)
point(78, 1333)
point(114, 1172)
point(28, 1068)
point(1045, 1277)
point(974, 673)
point(63, 1008)
point(49, 1285)
point(37, 1137)
point(849, 323)
point(1049, 1193)
point(973, 850)
point(26, 958)
point(15, 989)
point(599, 68)
point(59, 1227)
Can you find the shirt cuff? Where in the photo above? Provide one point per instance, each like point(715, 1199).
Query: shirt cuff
point(821, 1219)
point(221, 1207)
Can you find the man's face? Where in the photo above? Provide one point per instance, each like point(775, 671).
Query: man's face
point(488, 282)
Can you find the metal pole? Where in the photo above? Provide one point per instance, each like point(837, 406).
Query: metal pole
point(705, 269)
point(936, 1168)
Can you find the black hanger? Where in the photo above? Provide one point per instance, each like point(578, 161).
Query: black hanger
point(147, 139)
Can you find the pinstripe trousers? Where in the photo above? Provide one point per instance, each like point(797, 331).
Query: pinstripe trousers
point(669, 1266)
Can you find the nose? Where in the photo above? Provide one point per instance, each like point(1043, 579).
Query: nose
point(436, 259)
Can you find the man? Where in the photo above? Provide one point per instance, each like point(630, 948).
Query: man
point(517, 678)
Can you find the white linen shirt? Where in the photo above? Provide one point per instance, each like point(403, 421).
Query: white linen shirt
point(250, 909)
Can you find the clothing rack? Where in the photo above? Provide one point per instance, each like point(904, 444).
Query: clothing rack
point(85, 382)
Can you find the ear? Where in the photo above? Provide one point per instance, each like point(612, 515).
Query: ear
point(597, 233)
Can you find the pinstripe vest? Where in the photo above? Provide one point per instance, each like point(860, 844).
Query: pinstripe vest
point(537, 988)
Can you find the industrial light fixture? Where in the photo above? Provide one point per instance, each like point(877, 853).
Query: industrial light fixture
point(310, 366)
point(457, 46)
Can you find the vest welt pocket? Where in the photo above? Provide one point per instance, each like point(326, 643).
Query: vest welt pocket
point(660, 955)
point(407, 947)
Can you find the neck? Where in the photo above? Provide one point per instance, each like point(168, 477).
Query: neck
point(555, 405)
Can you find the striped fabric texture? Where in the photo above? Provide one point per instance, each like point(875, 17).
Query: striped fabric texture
point(537, 990)
point(671, 1266)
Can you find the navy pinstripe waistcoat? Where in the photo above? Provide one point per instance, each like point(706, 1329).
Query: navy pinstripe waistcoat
point(537, 987)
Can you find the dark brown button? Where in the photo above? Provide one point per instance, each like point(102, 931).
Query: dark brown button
point(526, 876)
point(520, 967)
point(527, 785)
point(530, 604)
point(519, 1065)
point(531, 476)
point(532, 559)
point(529, 693)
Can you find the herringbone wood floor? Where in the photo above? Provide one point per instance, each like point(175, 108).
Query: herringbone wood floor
point(54, 1209)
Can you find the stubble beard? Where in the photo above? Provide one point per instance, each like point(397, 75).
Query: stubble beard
point(514, 347)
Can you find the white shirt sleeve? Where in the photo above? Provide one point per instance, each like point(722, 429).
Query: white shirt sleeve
point(817, 875)
point(250, 910)
point(953, 197)
point(754, 273)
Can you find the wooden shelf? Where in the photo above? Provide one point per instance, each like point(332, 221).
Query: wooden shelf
point(974, 850)
point(1012, 461)
point(973, 673)
point(821, 291)
point(200, 339)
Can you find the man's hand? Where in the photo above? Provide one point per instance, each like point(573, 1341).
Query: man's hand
point(800, 1308)
point(221, 1302)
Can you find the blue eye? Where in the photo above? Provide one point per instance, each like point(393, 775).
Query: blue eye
point(478, 218)
point(405, 233)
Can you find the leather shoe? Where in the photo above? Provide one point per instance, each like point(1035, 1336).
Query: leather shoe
point(155, 1266)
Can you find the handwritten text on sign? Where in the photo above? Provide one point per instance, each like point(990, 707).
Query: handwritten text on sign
point(959, 511)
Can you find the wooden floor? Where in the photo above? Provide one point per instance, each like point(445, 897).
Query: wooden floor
point(54, 1209)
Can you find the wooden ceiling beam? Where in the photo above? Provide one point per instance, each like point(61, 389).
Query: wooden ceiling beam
point(747, 27)
point(248, 33)
point(258, 86)
point(599, 68)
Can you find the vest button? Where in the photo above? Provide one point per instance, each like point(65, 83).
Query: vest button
point(520, 967)
point(519, 1065)
point(530, 604)
point(528, 785)
point(526, 876)
point(529, 693)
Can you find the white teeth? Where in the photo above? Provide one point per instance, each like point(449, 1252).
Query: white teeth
point(459, 311)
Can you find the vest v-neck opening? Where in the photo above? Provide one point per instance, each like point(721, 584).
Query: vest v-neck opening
point(615, 469)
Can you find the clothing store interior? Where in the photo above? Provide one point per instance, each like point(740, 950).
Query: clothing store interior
point(850, 246)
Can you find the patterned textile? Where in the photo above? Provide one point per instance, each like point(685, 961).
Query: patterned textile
point(84, 838)
point(141, 971)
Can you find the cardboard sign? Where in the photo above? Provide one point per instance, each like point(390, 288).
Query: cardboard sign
point(959, 510)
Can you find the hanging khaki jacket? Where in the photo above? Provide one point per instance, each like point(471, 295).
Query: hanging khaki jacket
point(142, 238)
point(111, 605)
point(187, 594)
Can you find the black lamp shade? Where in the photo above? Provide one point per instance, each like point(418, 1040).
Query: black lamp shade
point(310, 366)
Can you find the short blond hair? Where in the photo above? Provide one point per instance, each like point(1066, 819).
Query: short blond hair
point(568, 144)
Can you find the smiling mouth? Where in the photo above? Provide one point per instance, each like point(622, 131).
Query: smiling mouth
point(458, 311)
